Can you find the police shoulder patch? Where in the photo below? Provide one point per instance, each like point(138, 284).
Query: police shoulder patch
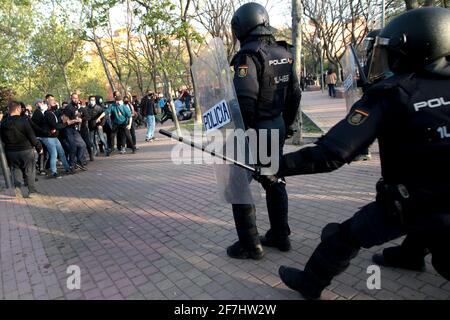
point(242, 71)
point(357, 117)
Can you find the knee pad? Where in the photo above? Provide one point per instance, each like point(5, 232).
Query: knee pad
point(338, 240)
point(329, 230)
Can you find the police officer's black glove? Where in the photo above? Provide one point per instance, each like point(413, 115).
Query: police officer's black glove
point(267, 181)
point(290, 131)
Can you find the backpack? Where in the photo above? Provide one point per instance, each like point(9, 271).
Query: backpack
point(119, 114)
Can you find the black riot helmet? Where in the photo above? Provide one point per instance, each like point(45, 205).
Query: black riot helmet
point(416, 38)
point(251, 19)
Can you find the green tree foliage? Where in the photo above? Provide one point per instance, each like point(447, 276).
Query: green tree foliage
point(14, 33)
point(53, 51)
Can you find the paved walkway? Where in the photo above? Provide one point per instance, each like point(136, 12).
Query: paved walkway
point(324, 111)
point(139, 227)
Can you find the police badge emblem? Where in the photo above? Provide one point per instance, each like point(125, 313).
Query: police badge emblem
point(357, 117)
point(242, 71)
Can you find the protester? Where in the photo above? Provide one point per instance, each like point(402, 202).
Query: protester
point(121, 122)
point(37, 122)
point(126, 102)
point(148, 112)
point(74, 142)
point(96, 134)
point(19, 139)
point(51, 125)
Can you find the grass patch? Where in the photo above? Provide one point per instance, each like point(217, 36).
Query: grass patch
point(185, 125)
point(309, 126)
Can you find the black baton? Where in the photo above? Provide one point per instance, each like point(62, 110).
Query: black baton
point(203, 148)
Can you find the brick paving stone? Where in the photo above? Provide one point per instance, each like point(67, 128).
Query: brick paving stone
point(132, 243)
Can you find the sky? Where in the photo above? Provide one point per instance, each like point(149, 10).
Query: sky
point(279, 13)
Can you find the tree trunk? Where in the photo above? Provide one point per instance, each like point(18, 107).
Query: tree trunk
point(168, 93)
point(198, 113)
point(297, 42)
point(104, 63)
point(66, 80)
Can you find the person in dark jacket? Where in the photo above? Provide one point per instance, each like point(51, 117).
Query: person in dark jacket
point(37, 123)
point(74, 141)
point(121, 119)
point(51, 125)
point(19, 140)
point(148, 112)
point(96, 134)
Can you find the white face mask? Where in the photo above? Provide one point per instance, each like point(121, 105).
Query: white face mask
point(92, 102)
point(43, 107)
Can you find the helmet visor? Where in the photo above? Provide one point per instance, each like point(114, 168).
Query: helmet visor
point(378, 61)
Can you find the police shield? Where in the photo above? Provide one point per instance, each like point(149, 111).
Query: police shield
point(350, 72)
point(223, 125)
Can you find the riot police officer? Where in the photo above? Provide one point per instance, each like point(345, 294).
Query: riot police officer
point(409, 113)
point(269, 95)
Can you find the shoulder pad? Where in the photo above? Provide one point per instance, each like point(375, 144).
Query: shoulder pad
point(404, 81)
point(386, 84)
point(251, 49)
point(252, 46)
point(285, 45)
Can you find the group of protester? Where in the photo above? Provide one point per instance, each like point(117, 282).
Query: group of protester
point(77, 131)
point(73, 132)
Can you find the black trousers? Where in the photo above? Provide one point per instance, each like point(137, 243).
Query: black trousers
point(84, 132)
point(77, 147)
point(371, 226)
point(108, 132)
point(123, 136)
point(133, 135)
point(42, 162)
point(276, 195)
point(22, 164)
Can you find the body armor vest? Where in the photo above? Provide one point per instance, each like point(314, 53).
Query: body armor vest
point(415, 136)
point(274, 77)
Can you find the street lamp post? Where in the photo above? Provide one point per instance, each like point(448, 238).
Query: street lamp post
point(383, 13)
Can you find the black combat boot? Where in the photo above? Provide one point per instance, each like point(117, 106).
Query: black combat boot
point(330, 258)
point(237, 251)
point(297, 280)
point(409, 255)
point(248, 246)
point(277, 207)
point(282, 243)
